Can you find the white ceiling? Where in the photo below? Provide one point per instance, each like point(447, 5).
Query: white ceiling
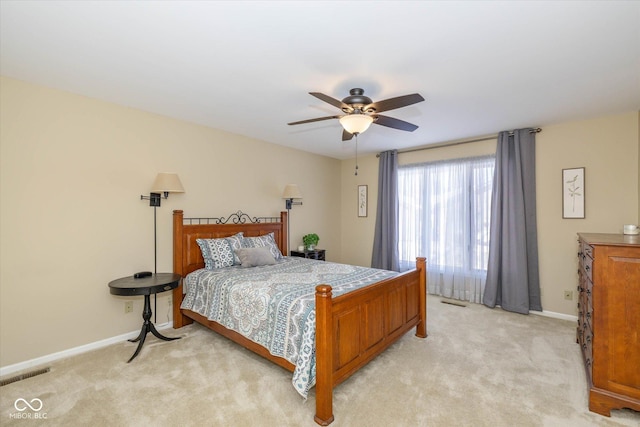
point(247, 67)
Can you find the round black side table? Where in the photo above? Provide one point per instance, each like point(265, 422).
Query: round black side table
point(156, 283)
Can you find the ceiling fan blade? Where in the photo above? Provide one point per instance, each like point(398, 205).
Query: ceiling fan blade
point(336, 103)
point(346, 136)
point(393, 103)
point(390, 122)
point(314, 120)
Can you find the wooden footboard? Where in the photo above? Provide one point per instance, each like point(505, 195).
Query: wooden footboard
point(351, 329)
point(355, 327)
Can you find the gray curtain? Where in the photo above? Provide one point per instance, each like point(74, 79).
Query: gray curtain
point(512, 273)
point(385, 241)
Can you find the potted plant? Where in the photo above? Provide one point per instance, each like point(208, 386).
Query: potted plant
point(310, 241)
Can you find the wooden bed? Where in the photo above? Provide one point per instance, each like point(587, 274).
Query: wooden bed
point(351, 329)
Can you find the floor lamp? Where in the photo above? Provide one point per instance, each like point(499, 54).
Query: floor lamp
point(291, 192)
point(164, 184)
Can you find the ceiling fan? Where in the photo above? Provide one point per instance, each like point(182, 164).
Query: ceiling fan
point(360, 111)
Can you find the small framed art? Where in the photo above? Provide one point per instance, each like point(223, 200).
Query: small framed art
point(573, 193)
point(362, 200)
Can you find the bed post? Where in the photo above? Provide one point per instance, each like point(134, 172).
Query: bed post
point(179, 320)
point(324, 355)
point(421, 328)
point(284, 236)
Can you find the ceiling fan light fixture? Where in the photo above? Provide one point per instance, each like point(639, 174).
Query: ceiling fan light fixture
point(356, 123)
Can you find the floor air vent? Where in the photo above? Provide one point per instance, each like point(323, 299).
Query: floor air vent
point(456, 303)
point(23, 376)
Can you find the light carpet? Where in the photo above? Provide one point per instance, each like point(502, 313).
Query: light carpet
point(478, 367)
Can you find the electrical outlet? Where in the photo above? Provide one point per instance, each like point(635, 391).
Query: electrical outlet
point(128, 306)
point(568, 295)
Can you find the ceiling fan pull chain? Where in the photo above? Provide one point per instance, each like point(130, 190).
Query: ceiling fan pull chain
point(356, 154)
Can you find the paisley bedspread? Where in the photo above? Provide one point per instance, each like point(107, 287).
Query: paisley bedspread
point(274, 305)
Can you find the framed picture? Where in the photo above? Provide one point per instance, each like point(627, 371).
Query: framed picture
point(573, 193)
point(362, 200)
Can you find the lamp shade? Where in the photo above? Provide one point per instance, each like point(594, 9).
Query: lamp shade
point(356, 123)
point(291, 191)
point(167, 183)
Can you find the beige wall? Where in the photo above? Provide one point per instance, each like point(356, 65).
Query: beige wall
point(608, 147)
point(71, 219)
point(357, 236)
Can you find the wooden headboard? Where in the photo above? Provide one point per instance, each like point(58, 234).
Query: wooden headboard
point(186, 252)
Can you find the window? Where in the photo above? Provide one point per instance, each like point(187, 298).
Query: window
point(444, 215)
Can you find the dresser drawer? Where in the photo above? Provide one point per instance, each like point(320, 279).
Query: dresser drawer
point(585, 311)
point(587, 351)
point(587, 250)
point(587, 266)
point(588, 324)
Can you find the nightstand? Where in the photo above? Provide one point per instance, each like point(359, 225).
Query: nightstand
point(154, 284)
point(315, 254)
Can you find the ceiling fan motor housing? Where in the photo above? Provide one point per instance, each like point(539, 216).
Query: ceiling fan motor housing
point(357, 100)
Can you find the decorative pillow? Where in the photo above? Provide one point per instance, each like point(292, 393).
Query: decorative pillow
point(255, 257)
point(218, 253)
point(266, 240)
point(236, 243)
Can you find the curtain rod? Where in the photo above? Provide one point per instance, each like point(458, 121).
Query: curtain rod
point(449, 144)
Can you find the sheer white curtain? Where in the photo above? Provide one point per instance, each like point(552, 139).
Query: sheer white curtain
point(444, 215)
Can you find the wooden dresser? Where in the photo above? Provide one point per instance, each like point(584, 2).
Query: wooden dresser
point(609, 319)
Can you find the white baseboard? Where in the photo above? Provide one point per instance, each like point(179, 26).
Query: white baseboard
point(555, 315)
point(11, 369)
point(543, 313)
